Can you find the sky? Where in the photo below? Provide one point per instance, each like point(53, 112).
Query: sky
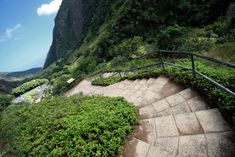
point(26, 28)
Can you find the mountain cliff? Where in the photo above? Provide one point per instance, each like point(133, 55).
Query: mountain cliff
point(95, 25)
point(67, 30)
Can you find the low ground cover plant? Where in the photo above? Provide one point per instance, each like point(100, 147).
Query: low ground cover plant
point(75, 126)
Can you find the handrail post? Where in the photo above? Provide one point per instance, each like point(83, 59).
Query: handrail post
point(193, 65)
point(161, 59)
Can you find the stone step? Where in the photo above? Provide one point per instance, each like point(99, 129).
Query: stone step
point(182, 102)
point(206, 145)
point(151, 81)
point(135, 148)
point(207, 121)
point(158, 84)
point(142, 94)
point(189, 134)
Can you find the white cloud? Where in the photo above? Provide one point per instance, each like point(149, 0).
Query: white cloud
point(10, 32)
point(48, 9)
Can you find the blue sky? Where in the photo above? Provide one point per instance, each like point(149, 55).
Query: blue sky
point(25, 32)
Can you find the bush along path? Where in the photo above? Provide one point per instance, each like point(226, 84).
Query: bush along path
point(174, 121)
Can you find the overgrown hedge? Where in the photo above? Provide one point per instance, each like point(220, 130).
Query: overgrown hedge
point(75, 126)
point(28, 86)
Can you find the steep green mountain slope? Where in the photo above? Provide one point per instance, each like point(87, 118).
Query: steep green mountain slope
point(95, 26)
point(90, 33)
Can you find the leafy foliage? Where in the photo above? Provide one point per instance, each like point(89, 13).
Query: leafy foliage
point(75, 126)
point(5, 101)
point(28, 86)
point(106, 81)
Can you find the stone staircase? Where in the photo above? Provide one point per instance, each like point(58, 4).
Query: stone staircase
point(173, 121)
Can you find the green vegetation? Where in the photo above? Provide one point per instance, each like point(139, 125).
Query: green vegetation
point(106, 81)
point(5, 101)
point(128, 29)
point(215, 96)
point(28, 86)
point(76, 126)
point(114, 32)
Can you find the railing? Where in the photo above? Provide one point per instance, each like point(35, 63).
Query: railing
point(164, 63)
point(193, 68)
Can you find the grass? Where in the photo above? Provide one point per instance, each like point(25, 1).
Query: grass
point(75, 126)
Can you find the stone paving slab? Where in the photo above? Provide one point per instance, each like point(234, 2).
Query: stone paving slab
point(164, 147)
point(162, 80)
point(141, 102)
point(175, 99)
point(146, 131)
point(155, 87)
point(197, 104)
point(149, 95)
point(163, 108)
point(150, 81)
point(188, 124)
point(188, 93)
point(181, 108)
point(147, 112)
point(164, 113)
point(220, 144)
point(194, 146)
point(136, 148)
point(165, 126)
point(170, 88)
point(161, 105)
point(143, 82)
point(212, 121)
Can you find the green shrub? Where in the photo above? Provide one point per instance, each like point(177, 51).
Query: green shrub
point(170, 38)
point(28, 86)
point(75, 126)
point(130, 47)
point(106, 81)
point(5, 101)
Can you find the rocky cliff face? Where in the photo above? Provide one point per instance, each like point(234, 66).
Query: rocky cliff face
point(67, 30)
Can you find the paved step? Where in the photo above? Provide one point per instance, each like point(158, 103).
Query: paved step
point(147, 93)
point(181, 102)
point(188, 134)
point(208, 145)
point(201, 145)
point(207, 121)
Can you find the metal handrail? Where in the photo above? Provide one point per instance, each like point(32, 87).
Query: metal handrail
point(193, 69)
point(200, 56)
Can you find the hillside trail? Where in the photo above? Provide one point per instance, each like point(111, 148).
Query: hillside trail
point(173, 121)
